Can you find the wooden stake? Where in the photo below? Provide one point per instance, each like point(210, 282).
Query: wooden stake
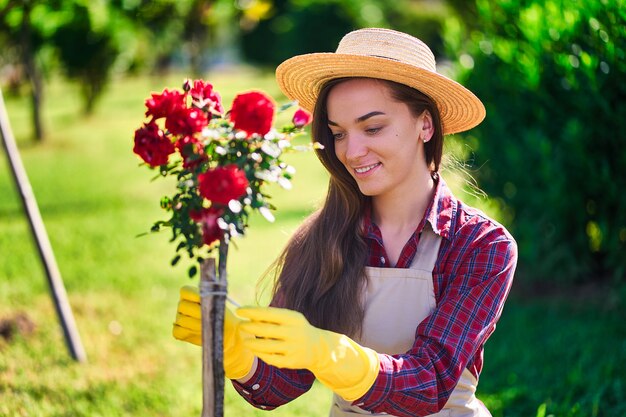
point(207, 279)
point(57, 289)
point(213, 302)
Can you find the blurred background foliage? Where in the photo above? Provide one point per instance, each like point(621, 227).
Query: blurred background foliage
point(550, 154)
point(294, 27)
point(551, 151)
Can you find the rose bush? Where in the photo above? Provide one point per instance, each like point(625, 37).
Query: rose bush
point(301, 118)
point(252, 113)
point(221, 164)
point(152, 145)
point(184, 121)
point(208, 218)
point(222, 184)
point(192, 152)
point(161, 105)
point(204, 97)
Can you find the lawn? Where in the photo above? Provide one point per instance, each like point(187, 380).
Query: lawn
point(561, 356)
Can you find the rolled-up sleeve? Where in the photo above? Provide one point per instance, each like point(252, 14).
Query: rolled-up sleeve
point(271, 387)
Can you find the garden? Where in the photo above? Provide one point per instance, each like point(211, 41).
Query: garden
point(549, 158)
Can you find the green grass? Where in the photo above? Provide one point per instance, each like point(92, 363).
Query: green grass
point(562, 357)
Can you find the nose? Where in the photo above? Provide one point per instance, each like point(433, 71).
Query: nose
point(355, 147)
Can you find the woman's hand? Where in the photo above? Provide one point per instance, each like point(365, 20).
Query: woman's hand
point(238, 360)
point(284, 338)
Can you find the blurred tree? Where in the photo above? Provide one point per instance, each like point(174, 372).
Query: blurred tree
point(79, 34)
point(274, 30)
point(87, 50)
point(22, 40)
point(89, 40)
point(182, 32)
point(197, 33)
point(551, 151)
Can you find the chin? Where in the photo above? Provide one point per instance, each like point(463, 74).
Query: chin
point(369, 191)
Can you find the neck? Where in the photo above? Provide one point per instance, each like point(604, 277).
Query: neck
point(405, 208)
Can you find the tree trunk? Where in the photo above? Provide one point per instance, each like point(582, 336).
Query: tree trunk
point(32, 72)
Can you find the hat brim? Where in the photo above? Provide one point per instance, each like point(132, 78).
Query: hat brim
point(302, 77)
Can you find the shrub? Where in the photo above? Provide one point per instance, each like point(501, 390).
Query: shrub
point(552, 149)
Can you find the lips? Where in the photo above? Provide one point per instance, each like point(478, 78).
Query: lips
point(363, 170)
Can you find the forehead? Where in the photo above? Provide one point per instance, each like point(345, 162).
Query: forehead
point(359, 96)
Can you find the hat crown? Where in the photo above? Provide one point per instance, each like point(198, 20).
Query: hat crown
point(389, 44)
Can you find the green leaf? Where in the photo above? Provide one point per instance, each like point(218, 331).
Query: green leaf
point(287, 106)
point(192, 271)
point(157, 226)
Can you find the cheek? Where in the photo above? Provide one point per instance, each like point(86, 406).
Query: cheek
point(340, 151)
point(406, 150)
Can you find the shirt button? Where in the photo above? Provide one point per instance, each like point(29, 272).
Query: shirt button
point(382, 260)
point(256, 387)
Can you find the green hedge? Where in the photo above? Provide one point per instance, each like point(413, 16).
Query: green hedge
point(552, 151)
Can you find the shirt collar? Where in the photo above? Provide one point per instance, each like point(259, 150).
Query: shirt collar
point(442, 209)
point(439, 213)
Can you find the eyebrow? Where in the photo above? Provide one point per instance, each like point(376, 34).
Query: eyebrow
point(361, 118)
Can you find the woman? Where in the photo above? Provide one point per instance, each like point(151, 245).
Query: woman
point(389, 291)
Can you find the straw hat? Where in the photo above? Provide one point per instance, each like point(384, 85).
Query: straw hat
point(384, 54)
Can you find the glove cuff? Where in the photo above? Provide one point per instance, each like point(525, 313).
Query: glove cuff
point(240, 368)
point(351, 369)
point(371, 369)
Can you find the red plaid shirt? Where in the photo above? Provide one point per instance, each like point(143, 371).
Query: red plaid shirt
point(472, 278)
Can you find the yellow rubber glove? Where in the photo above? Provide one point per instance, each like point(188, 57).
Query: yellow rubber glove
point(284, 338)
point(238, 360)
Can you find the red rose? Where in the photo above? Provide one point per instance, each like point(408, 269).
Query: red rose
point(208, 217)
point(252, 112)
point(152, 145)
point(301, 118)
point(161, 105)
point(222, 184)
point(204, 97)
point(185, 121)
point(192, 151)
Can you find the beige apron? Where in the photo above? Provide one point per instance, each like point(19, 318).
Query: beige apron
point(396, 301)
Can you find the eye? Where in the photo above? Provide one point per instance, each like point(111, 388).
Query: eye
point(373, 130)
point(339, 136)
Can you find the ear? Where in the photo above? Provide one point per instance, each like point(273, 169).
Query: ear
point(427, 126)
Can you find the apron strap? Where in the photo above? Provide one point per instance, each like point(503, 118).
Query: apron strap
point(427, 250)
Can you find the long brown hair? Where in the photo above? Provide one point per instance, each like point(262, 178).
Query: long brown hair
point(321, 272)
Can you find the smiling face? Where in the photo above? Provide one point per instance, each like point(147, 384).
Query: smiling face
point(377, 138)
